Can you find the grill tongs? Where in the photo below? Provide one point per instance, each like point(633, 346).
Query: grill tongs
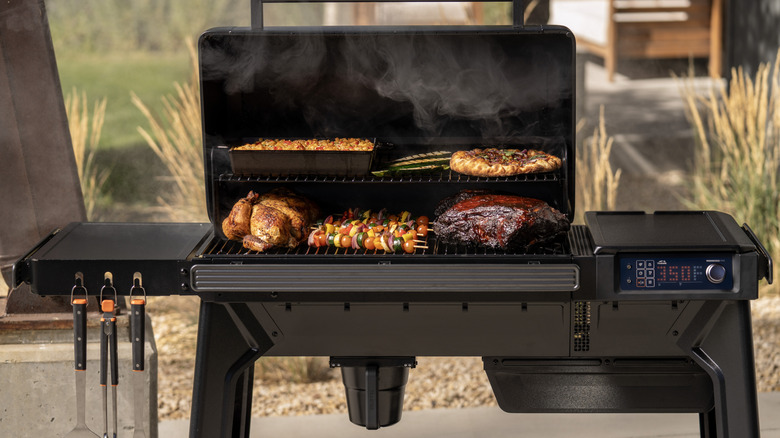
point(108, 350)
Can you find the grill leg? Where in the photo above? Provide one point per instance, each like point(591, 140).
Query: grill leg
point(230, 340)
point(720, 340)
point(707, 424)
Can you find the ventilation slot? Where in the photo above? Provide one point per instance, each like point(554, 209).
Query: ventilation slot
point(581, 241)
point(581, 332)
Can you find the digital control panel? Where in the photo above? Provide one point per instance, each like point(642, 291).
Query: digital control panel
point(675, 272)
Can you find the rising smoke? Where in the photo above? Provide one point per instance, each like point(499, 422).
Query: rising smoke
point(471, 79)
point(495, 85)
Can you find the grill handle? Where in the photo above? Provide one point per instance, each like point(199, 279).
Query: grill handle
point(518, 8)
point(766, 267)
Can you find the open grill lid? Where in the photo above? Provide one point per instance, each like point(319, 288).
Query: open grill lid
point(413, 89)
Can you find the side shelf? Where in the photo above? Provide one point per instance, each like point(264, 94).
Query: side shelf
point(155, 250)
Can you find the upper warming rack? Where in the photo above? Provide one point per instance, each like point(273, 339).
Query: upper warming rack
point(439, 177)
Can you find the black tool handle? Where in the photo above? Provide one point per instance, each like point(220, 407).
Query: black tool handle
point(138, 331)
point(112, 348)
point(80, 333)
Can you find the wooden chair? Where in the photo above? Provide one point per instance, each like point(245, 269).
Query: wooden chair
point(644, 29)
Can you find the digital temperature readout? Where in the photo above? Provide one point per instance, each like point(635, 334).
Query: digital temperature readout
point(676, 273)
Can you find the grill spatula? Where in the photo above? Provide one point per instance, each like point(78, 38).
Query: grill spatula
point(137, 333)
point(80, 350)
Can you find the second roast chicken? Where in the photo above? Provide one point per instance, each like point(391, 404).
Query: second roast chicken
point(279, 218)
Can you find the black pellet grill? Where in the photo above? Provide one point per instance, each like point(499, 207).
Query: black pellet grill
point(632, 312)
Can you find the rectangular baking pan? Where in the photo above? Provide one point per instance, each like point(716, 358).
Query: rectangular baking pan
point(283, 163)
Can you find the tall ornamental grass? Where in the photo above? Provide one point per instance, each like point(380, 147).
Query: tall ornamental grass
point(737, 156)
point(85, 133)
point(597, 184)
point(175, 136)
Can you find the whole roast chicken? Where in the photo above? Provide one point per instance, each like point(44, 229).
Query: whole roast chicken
point(479, 218)
point(279, 218)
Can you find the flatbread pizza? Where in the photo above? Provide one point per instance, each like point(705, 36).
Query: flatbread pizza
point(503, 162)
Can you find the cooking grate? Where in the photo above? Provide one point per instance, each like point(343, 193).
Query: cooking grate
point(438, 177)
point(231, 248)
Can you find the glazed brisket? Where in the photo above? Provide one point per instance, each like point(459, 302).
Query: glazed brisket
point(499, 221)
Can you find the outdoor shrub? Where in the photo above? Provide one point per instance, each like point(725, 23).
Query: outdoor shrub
point(597, 185)
point(85, 137)
point(737, 158)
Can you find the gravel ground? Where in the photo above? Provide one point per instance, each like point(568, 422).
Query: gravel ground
point(435, 383)
point(766, 342)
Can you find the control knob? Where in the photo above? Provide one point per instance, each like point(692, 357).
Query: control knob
point(715, 273)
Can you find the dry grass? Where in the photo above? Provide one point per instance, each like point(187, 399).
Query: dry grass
point(737, 158)
point(176, 138)
point(85, 137)
point(597, 184)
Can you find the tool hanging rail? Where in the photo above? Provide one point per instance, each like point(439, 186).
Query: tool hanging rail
point(518, 8)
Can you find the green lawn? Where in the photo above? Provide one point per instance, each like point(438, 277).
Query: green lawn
point(150, 75)
point(135, 171)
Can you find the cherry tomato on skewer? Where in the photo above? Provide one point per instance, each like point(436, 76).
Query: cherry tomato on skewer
point(322, 239)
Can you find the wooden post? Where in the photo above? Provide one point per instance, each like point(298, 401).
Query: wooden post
point(716, 38)
point(39, 183)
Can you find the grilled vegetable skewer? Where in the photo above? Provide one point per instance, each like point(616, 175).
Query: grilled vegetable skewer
point(395, 233)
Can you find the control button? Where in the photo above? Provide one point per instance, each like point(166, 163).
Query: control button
point(640, 282)
point(649, 273)
point(640, 273)
point(640, 264)
point(715, 273)
point(650, 282)
point(650, 264)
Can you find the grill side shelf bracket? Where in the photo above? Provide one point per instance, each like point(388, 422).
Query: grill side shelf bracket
point(385, 278)
point(21, 269)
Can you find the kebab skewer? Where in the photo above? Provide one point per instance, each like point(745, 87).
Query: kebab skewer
point(364, 230)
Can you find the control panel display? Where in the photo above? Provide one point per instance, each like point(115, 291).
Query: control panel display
point(674, 272)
